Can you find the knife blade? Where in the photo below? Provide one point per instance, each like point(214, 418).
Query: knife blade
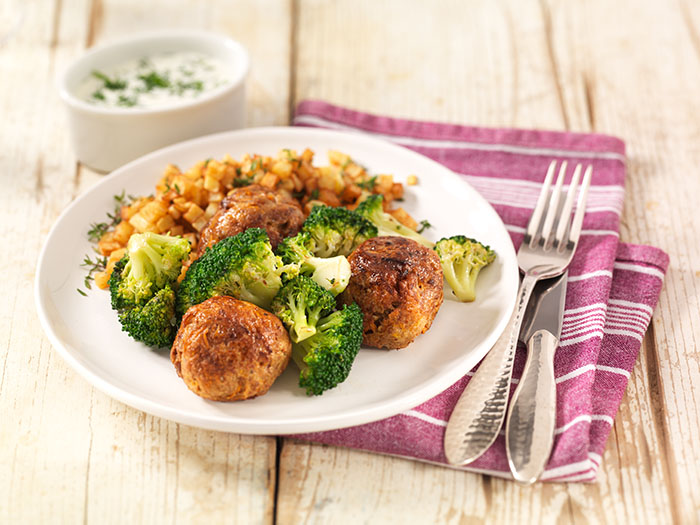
point(531, 418)
point(546, 308)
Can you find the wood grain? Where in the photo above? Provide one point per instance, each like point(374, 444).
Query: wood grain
point(69, 453)
point(72, 454)
point(583, 67)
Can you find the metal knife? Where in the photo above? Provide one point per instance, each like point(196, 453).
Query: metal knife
point(531, 418)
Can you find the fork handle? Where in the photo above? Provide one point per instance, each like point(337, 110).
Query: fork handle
point(532, 415)
point(479, 413)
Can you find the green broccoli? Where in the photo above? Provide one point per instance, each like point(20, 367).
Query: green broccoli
point(325, 358)
point(141, 287)
point(300, 304)
point(336, 231)
point(243, 266)
point(332, 273)
point(153, 323)
point(152, 261)
point(372, 209)
point(462, 259)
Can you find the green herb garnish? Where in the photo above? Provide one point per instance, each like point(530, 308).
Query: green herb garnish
point(368, 184)
point(98, 95)
point(98, 264)
point(126, 102)
point(424, 225)
point(242, 181)
point(195, 85)
point(153, 80)
point(109, 83)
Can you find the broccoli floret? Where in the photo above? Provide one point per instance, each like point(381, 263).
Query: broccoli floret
point(336, 231)
point(153, 323)
point(152, 261)
point(462, 259)
point(243, 266)
point(300, 304)
point(372, 209)
point(141, 286)
point(332, 273)
point(325, 358)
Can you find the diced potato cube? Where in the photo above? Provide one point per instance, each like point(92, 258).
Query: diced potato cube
point(154, 210)
point(174, 212)
point(108, 247)
point(122, 232)
point(354, 170)
point(298, 184)
point(286, 184)
point(164, 224)
point(412, 180)
point(404, 218)
point(384, 183)
point(192, 238)
point(269, 180)
point(283, 168)
point(337, 158)
point(139, 223)
point(328, 197)
point(331, 179)
point(311, 185)
point(200, 223)
point(193, 213)
point(211, 209)
point(211, 184)
point(351, 193)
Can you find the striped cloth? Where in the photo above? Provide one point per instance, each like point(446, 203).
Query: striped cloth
point(611, 294)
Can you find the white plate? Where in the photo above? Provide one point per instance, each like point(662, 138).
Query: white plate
point(382, 383)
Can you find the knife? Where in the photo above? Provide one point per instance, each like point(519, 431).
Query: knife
point(532, 414)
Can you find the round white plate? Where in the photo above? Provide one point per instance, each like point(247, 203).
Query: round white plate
point(382, 383)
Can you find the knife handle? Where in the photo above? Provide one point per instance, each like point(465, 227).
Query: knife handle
point(533, 411)
point(479, 413)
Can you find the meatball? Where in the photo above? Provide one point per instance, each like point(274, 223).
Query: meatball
point(253, 207)
point(227, 350)
point(397, 283)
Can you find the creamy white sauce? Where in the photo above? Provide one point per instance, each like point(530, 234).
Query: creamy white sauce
point(155, 81)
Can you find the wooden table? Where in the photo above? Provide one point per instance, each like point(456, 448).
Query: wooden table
point(68, 453)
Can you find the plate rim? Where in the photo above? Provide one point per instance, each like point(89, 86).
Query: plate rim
point(236, 424)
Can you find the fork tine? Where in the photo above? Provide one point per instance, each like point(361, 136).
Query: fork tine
point(565, 214)
point(534, 224)
point(575, 231)
point(553, 209)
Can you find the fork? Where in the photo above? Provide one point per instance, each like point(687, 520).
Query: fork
point(548, 246)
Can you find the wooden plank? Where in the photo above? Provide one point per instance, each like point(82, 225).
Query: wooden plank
point(551, 65)
point(642, 73)
point(195, 474)
point(41, 477)
point(67, 452)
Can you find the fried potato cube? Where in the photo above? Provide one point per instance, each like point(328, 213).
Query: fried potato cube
point(337, 158)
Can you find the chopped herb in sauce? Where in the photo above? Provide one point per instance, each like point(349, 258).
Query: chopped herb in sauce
point(109, 83)
point(155, 80)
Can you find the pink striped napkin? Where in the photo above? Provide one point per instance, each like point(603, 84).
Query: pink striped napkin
point(612, 288)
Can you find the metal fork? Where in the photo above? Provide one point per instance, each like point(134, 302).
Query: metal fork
point(549, 244)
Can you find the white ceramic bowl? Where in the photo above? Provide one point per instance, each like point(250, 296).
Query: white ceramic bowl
point(105, 138)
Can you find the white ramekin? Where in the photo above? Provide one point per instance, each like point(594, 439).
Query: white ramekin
point(106, 138)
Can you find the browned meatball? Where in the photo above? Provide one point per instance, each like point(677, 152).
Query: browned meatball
point(253, 207)
point(227, 350)
point(397, 283)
